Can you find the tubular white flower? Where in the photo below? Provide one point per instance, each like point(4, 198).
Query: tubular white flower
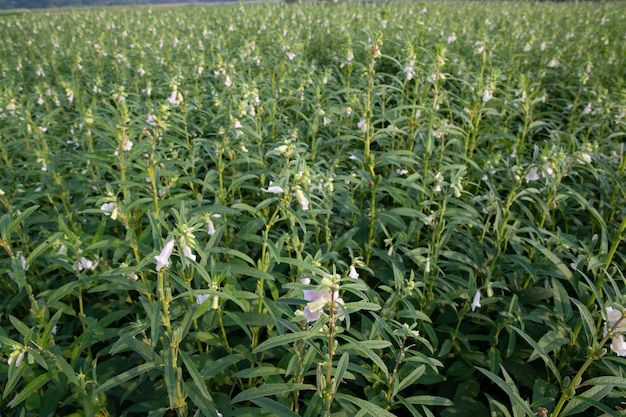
point(109, 209)
point(616, 320)
point(618, 345)
point(532, 175)
point(175, 98)
point(353, 272)
point(317, 301)
point(163, 258)
point(304, 202)
point(210, 227)
point(188, 254)
point(362, 125)
point(476, 300)
point(273, 189)
point(17, 357)
point(202, 298)
point(487, 95)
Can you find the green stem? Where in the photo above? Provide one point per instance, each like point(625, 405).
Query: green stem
point(616, 242)
point(569, 391)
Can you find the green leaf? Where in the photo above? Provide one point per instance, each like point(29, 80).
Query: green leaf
point(125, 376)
point(561, 267)
point(17, 220)
point(230, 252)
point(538, 350)
point(371, 408)
point(22, 328)
point(361, 347)
point(303, 265)
point(260, 372)
point(243, 270)
point(509, 389)
point(197, 377)
point(67, 370)
point(429, 400)
point(587, 320)
point(274, 407)
point(169, 374)
point(410, 379)
point(615, 381)
point(219, 365)
point(286, 339)
point(602, 407)
point(30, 389)
point(342, 366)
point(577, 405)
point(267, 390)
point(361, 305)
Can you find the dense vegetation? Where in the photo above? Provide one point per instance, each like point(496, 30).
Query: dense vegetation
point(379, 209)
point(44, 4)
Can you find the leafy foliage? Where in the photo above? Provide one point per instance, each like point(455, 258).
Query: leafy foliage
point(372, 209)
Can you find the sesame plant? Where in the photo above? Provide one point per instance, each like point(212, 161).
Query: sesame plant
point(341, 209)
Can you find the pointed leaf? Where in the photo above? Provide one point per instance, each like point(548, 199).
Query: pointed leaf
point(267, 390)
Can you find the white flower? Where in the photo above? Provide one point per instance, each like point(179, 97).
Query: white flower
point(304, 202)
point(188, 254)
point(109, 209)
point(23, 262)
point(616, 320)
point(317, 300)
point(17, 357)
point(151, 120)
point(127, 145)
point(175, 98)
point(362, 125)
point(350, 55)
point(202, 298)
point(290, 55)
point(480, 47)
point(585, 157)
point(273, 189)
point(238, 126)
point(409, 71)
point(532, 175)
point(548, 169)
point(210, 227)
point(353, 272)
point(163, 258)
point(451, 38)
point(618, 345)
point(487, 95)
point(84, 263)
point(476, 300)
point(227, 81)
point(402, 171)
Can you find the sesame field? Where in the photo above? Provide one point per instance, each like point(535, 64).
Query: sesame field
point(322, 209)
